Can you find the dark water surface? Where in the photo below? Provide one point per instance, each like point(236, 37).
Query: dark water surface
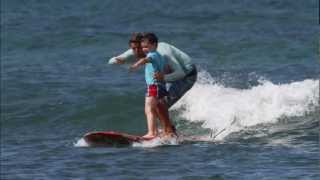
point(257, 92)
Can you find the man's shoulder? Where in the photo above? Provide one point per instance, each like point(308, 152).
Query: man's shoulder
point(164, 44)
point(164, 47)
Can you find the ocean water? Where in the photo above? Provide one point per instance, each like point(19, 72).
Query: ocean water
point(252, 114)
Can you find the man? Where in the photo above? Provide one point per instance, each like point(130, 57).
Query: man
point(182, 77)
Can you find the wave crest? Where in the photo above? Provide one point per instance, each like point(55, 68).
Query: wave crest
point(226, 110)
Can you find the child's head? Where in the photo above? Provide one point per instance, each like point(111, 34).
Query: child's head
point(149, 42)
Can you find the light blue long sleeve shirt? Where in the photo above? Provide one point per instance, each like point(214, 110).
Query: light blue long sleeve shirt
point(179, 62)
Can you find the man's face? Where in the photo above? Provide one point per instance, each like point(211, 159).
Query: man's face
point(137, 50)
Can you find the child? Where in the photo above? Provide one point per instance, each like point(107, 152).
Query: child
point(156, 90)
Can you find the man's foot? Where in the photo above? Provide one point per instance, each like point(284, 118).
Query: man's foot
point(174, 130)
point(168, 135)
point(170, 131)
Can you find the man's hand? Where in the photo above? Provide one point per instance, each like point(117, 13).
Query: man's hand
point(158, 76)
point(120, 61)
point(133, 67)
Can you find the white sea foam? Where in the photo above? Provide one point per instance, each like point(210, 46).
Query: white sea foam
point(81, 143)
point(156, 142)
point(226, 110)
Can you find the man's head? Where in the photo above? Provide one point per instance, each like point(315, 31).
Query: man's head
point(135, 44)
point(149, 42)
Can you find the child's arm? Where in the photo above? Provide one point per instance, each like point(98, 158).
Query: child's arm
point(142, 61)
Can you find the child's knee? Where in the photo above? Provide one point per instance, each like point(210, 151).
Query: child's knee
point(148, 111)
point(151, 102)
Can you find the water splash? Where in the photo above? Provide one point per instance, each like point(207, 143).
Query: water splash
point(81, 143)
point(226, 110)
point(156, 142)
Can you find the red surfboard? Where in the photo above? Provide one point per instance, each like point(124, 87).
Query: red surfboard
point(110, 138)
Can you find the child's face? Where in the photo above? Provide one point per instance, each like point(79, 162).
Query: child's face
point(147, 46)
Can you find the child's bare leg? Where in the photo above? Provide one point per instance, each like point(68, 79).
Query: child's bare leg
point(151, 115)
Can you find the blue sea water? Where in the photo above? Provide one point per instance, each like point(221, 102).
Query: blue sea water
point(253, 113)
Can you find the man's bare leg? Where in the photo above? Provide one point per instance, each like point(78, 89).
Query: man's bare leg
point(163, 114)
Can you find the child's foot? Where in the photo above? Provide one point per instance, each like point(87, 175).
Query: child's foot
point(149, 136)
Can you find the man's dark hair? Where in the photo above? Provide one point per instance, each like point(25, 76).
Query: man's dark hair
point(136, 37)
point(151, 37)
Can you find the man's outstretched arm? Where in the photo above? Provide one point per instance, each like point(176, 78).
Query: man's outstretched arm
point(127, 56)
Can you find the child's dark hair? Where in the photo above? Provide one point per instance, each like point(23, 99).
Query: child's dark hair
point(136, 37)
point(151, 37)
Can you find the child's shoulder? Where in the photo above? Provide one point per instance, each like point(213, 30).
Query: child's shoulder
point(153, 54)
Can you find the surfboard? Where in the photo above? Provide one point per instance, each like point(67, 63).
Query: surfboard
point(111, 138)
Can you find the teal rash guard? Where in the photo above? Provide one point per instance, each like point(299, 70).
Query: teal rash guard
point(157, 64)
